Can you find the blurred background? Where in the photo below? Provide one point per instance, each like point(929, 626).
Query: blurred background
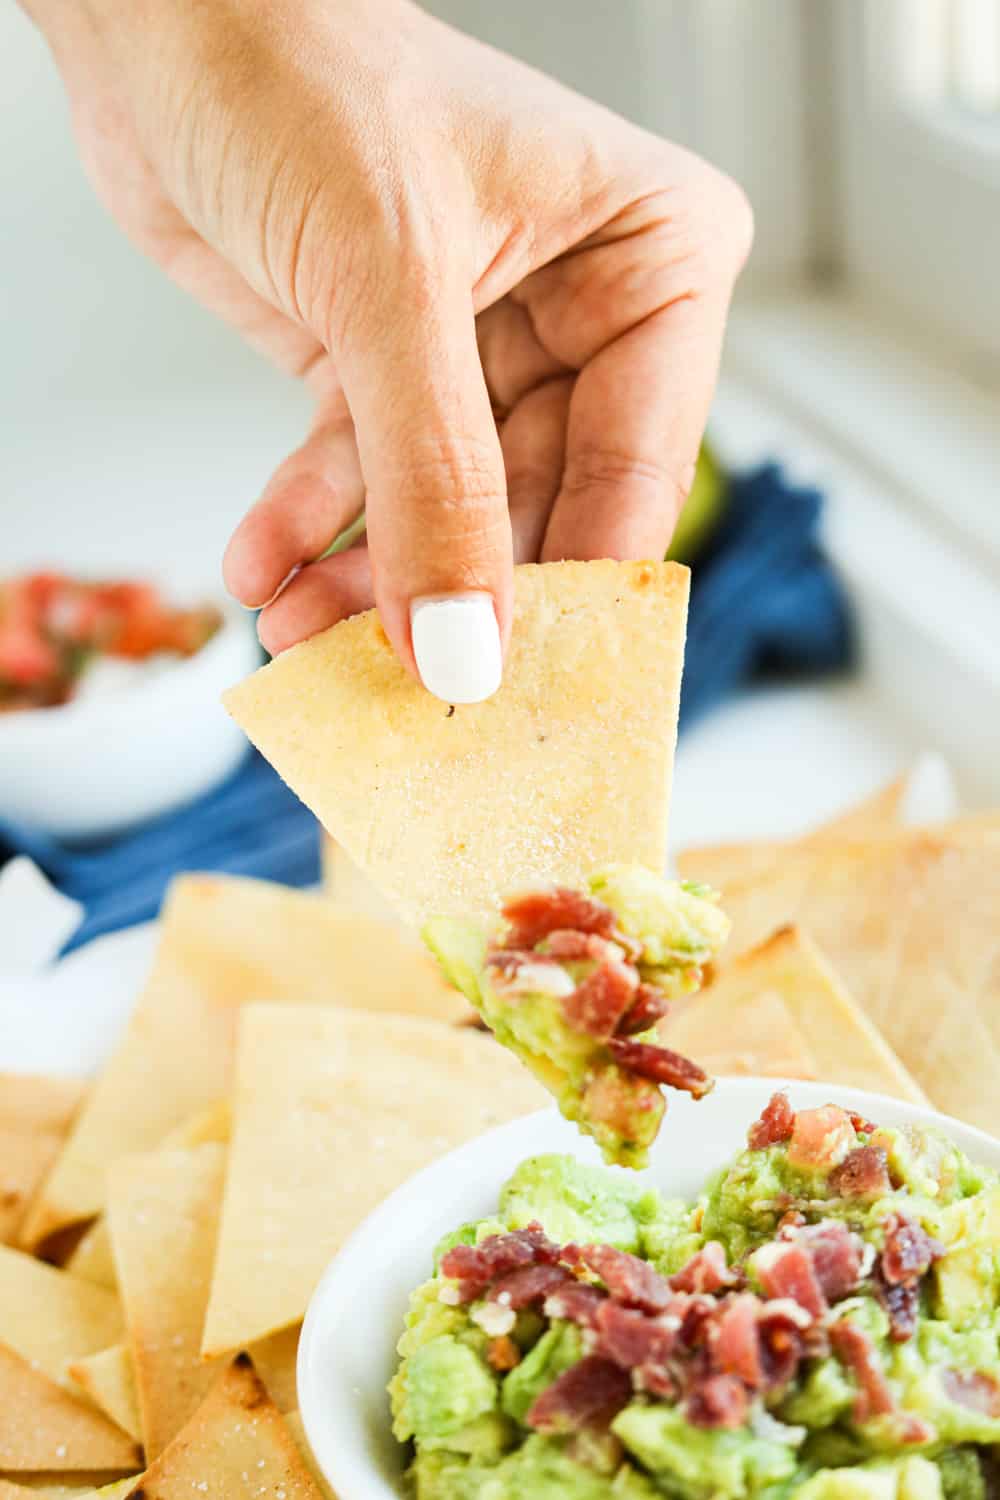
point(864, 357)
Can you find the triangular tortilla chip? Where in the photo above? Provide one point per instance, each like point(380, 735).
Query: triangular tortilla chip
point(351, 890)
point(44, 1428)
point(35, 1102)
point(844, 1045)
point(909, 922)
point(44, 1487)
point(163, 1212)
point(208, 1125)
point(92, 1259)
point(49, 1317)
point(35, 1114)
point(565, 769)
point(237, 1431)
point(108, 1378)
point(752, 1035)
point(332, 1110)
point(293, 1422)
point(223, 941)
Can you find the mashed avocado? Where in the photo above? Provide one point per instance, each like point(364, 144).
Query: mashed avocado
point(574, 983)
point(824, 1328)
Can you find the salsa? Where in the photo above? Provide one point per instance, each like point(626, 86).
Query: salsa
point(53, 628)
point(821, 1323)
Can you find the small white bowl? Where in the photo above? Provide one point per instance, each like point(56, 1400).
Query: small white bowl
point(347, 1352)
point(95, 767)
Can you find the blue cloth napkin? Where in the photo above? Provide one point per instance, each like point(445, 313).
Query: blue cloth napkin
point(764, 603)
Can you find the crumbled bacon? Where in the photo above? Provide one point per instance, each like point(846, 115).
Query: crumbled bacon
point(572, 947)
point(629, 1280)
point(909, 1251)
point(837, 1256)
point(633, 1340)
point(503, 1354)
point(706, 1271)
point(855, 1350)
point(533, 915)
point(862, 1125)
point(901, 1301)
point(736, 1344)
point(476, 1267)
point(527, 1285)
point(863, 1173)
point(776, 1124)
point(660, 1065)
point(719, 1401)
point(590, 1393)
point(973, 1389)
point(576, 1302)
point(599, 1002)
point(785, 1269)
point(782, 1345)
point(650, 1005)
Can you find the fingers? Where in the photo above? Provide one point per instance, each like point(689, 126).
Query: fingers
point(438, 528)
point(534, 445)
point(315, 494)
point(320, 596)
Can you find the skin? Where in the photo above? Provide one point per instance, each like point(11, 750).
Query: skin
point(508, 302)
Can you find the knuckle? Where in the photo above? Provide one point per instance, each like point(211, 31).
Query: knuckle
point(598, 471)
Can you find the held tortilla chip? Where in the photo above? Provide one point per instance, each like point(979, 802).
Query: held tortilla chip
point(49, 1317)
point(164, 1212)
point(750, 1034)
point(844, 1045)
point(909, 922)
point(333, 1109)
point(565, 769)
point(224, 941)
point(108, 1378)
point(236, 1432)
point(43, 1428)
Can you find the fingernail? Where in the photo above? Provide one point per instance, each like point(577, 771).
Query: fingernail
point(456, 643)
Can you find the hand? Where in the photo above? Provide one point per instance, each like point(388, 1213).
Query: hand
point(509, 302)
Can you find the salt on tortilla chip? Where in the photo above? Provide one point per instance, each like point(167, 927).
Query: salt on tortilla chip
point(224, 941)
point(566, 768)
point(332, 1111)
point(35, 1114)
point(843, 1043)
point(350, 888)
point(207, 1126)
point(50, 1317)
point(45, 1429)
point(909, 922)
point(293, 1422)
point(92, 1259)
point(163, 1212)
point(108, 1379)
point(236, 1431)
point(747, 1035)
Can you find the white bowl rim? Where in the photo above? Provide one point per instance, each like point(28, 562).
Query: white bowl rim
point(328, 1433)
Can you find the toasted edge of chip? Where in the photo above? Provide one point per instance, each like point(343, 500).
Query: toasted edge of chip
point(45, 1429)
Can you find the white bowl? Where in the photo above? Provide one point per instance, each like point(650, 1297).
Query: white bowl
point(347, 1351)
point(97, 766)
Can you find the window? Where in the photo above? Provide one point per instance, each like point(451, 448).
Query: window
point(917, 100)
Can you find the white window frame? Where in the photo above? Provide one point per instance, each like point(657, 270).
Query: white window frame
point(919, 194)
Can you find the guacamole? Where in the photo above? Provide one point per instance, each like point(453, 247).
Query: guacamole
point(822, 1323)
point(574, 983)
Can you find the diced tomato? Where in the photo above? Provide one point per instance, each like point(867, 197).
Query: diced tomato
point(821, 1138)
point(26, 658)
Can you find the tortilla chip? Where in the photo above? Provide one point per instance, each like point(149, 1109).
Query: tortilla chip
point(108, 1378)
point(44, 1428)
point(565, 769)
point(751, 1034)
point(844, 1045)
point(223, 941)
point(293, 1422)
point(92, 1259)
point(35, 1102)
point(878, 814)
point(209, 1125)
point(909, 922)
point(351, 889)
point(237, 1431)
point(332, 1110)
point(84, 1487)
point(49, 1317)
point(164, 1214)
point(35, 1114)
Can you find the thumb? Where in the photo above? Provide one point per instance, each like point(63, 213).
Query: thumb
point(436, 502)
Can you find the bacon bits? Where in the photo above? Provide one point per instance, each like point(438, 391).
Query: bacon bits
point(590, 1393)
point(649, 1006)
point(785, 1269)
point(776, 1124)
point(719, 1401)
point(706, 1271)
point(629, 1280)
point(856, 1352)
point(863, 1173)
point(535, 914)
point(907, 1256)
point(660, 1065)
point(476, 1267)
point(600, 1001)
point(837, 1256)
point(528, 1285)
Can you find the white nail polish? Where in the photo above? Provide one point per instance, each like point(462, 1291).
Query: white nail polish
point(456, 642)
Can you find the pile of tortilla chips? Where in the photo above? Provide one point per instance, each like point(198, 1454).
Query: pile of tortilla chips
point(293, 1057)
